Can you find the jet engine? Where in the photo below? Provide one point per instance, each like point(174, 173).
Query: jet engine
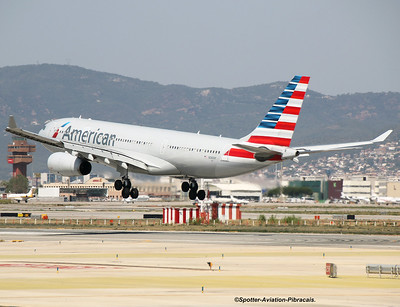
point(289, 153)
point(64, 164)
point(265, 153)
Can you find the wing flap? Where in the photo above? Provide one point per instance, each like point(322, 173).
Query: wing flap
point(110, 156)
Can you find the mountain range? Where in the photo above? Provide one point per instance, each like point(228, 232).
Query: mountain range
point(37, 93)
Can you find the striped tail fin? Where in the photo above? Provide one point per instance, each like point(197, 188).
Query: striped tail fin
point(278, 125)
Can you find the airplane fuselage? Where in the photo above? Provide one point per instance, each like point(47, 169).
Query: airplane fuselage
point(173, 153)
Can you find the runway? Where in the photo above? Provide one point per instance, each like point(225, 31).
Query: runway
point(122, 268)
point(114, 210)
point(259, 239)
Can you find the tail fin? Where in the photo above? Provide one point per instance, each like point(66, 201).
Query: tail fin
point(30, 193)
point(278, 125)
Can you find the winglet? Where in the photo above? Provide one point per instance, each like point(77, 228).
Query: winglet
point(382, 137)
point(11, 122)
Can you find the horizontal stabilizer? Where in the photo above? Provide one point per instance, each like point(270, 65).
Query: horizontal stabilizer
point(263, 153)
point(253, 149)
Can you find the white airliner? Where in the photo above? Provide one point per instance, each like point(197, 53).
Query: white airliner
point(385, 200)
point(76, 142)
point(355, 199)
point(22, 196)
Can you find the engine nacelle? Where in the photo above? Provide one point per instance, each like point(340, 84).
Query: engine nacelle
point(289, 153)
point(64, 164)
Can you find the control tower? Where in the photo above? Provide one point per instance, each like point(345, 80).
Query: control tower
point(19, 156)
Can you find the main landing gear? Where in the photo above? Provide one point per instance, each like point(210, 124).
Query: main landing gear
point(193, 187)
point(126, 187)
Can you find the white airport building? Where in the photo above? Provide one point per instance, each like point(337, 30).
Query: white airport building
point(241, 190)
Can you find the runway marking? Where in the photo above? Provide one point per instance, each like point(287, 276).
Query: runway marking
point(74, 265)
point(52, 266)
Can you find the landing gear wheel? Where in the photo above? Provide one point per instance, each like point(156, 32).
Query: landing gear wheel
point(125, 192)
point(134, 193)
point(201, 194)
point(192, 195)
point(127, 184)
point(118, 185)
point(185, 186)
point(193, 185)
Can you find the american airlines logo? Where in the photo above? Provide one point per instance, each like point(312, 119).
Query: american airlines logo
point(89, 137)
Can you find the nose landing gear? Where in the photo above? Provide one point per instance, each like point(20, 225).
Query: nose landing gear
point(126, 186)
point(192, 187)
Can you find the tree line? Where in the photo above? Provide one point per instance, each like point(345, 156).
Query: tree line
point(18, 184)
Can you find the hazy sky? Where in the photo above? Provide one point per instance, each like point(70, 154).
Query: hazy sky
point(345, 46)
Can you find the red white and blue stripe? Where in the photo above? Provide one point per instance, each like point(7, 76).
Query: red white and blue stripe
point(278, 125)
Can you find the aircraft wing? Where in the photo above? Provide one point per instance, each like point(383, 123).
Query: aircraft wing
point(305, 150)
point(116, 158)
point(12, 128)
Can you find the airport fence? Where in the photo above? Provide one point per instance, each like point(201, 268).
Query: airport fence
point(80, 222)
point(246, 225)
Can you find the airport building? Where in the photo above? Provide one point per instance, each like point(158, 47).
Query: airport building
point(358, 187)
point(393, 189)
point(246, 191)
point(19, 155)
point(99, 188)
point(319, 187)
point(90, 188)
